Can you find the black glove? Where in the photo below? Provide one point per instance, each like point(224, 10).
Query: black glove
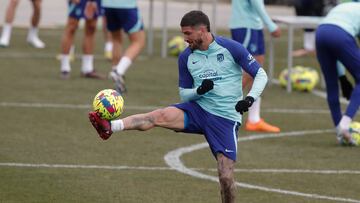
point(205, 86)
point(243, 105)
point(346, 87)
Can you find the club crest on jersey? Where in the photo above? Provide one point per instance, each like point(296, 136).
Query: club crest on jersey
point(220, 57)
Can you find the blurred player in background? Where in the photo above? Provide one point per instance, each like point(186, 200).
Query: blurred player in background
point(32, 37)
point(76, 13)
point(123, 15)
point(336, 41)
point(308, 8)
point(210, 86)
point(246, 24)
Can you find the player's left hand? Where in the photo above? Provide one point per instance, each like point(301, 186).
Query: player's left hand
point(346, 87)
point(276, 33)
point(90, 9)
point(243, 105)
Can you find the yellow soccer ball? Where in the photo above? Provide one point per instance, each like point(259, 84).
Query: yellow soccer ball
point(302, 78)
point(176, 45)
point(355, 132)
point(109, 104)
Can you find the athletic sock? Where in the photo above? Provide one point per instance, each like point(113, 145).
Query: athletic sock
point(87, 63)
point(65, 63)
point(117, 125)
point(309, 41)
point(254, 111)
point(6, 32)
point(33, 32)
point(123, 65)
point(108, 46)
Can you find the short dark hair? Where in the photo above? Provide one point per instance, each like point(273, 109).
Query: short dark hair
point(195, 18)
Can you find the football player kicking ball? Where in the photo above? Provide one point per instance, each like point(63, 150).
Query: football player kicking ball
point(210, 85)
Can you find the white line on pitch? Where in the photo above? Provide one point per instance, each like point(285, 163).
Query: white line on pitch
point(174, 161)
point(148, 168)
point(87, 106)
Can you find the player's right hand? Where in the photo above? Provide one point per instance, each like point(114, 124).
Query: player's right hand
point(205, 86)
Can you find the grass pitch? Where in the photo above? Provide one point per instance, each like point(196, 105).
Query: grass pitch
point(49, 151)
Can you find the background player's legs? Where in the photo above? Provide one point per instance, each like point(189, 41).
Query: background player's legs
point(225, 168)
point(33, 37)
point(87, 68)
point(7, 27)
point(117, 47)
point(254, 121)
point(108, 40)
point(66, 43)
point(137, 43)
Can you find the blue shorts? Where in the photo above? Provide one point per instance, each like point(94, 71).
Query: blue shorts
point(77, 10)
point(252, 40)
point(128, 19)
point(220, 133)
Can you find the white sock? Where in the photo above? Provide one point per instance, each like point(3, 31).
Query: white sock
point(72, 50)
point(108, 46)
point(254, 111)
point(345, 122)
point(65, 63)
point(123, 65)
point(87, 63)
point(117, 125)
point(309, 41)
point(6, 32)
point(33, 32)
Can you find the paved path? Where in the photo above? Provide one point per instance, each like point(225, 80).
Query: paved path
point(54, 12)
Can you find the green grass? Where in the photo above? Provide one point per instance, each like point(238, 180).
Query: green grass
point(63, 135)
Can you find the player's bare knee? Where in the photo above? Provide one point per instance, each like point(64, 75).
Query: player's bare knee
point(226, 178)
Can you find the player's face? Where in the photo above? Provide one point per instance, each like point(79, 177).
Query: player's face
point(193, 36)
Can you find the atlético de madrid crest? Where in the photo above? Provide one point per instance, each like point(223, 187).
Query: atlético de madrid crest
point(220, 57)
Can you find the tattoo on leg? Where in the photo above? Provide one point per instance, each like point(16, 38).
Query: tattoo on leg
point(142, 123)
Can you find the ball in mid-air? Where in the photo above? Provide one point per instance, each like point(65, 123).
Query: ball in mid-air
point(109, 104)
point(176, 45)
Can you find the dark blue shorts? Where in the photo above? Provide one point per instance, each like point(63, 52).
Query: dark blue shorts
point(220, 133)
point(252, 40)
point(77, 10)
point(128, 19)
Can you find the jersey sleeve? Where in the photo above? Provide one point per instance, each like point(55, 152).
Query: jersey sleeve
point(185, 78)
point(260, 9)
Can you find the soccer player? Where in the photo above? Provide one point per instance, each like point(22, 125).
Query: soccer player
point(335, 40)
point(123, 15)
point(246, 24)
point(32, 37)
point(210, 87)
point(76, 13)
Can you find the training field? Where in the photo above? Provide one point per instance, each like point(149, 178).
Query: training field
point(49, 151)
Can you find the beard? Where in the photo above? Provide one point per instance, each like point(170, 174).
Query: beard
point(195, 44)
